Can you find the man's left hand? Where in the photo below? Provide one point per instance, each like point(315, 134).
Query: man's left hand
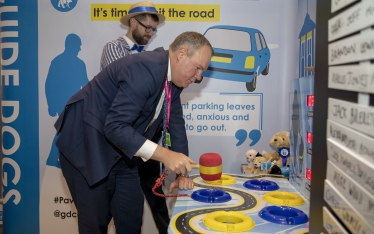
point(181, 182)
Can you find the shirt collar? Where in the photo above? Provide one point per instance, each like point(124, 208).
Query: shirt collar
point(129, 42)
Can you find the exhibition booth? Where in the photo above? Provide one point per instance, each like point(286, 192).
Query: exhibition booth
point(262, 80)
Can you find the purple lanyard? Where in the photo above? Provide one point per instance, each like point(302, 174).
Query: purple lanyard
point(167, 88)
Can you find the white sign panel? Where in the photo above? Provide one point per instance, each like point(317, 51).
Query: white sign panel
point(217, 114)
point(358, 78)
point(347, 213)
point(339, 4)
point(352, 49)
point(356, 116)
point(359, 143)
point(332, 225)
point(356, 167)
point(357, 196)
point(355, 18)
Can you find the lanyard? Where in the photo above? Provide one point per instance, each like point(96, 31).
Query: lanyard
point(167, 88)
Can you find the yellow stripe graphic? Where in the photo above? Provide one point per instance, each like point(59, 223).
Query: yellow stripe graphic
point(221, 59)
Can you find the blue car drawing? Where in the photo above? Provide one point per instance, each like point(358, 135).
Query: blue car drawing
point(240, 54)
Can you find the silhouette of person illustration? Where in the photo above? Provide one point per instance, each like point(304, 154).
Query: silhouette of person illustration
point(67, 75)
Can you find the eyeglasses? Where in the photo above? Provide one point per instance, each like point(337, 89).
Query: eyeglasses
point(148, 29)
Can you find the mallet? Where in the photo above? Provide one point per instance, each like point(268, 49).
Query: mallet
point(210, 166)
point(210, 170)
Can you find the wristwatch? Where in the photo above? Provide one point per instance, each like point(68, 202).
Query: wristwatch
point(182, 175)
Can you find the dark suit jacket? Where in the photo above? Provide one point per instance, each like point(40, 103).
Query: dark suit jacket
point(107, 119)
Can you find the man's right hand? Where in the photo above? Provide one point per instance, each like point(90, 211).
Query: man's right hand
point(173, 161)
point(178, 163)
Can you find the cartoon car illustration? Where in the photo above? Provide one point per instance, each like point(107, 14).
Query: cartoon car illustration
point(240, 54)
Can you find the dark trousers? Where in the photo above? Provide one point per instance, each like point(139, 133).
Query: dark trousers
point(119, 196)
point(149, 172)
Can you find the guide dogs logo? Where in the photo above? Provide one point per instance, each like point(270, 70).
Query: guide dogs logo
point(64, 5)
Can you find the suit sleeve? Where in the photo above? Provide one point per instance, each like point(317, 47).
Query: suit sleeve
point(137, 85)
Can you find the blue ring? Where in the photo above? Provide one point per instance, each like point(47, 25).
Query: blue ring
point(283, 215)
point(263, 185)
point(211, 196)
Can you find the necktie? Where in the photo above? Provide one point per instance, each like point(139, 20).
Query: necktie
point(137, 47)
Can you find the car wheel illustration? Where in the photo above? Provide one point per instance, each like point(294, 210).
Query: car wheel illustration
point(266, 70)
point(251, 86)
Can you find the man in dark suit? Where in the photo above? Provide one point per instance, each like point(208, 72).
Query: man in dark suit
point(114, 117)
point(142, 21)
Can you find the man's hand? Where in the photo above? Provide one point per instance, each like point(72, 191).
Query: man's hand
point(173, 161)
point(178, 163)
point(181, 182)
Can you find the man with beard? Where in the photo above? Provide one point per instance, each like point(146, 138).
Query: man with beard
point(142, 20)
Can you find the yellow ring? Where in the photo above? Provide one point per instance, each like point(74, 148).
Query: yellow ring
point(210, 170)
point(283, 198)
point(224, 180)
point(228, 221)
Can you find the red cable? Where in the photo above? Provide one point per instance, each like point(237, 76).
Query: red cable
point(159, 183)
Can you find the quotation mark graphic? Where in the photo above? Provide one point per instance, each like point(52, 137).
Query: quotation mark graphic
point(241, 135)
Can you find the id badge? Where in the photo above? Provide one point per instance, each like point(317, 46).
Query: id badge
point(167, 139)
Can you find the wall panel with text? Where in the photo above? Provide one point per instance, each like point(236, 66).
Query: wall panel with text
point(342, 199)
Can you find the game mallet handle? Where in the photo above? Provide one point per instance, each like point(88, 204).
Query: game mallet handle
point(195, 166)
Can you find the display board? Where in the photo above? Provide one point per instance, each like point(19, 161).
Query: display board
point(343, 120)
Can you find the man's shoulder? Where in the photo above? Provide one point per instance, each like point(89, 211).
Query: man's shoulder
point(159, 51)
point(120, 41)
point(156, 57)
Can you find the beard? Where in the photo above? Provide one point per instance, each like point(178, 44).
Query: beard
point(139, 38)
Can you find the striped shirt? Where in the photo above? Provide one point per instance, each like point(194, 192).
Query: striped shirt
point(116, 49)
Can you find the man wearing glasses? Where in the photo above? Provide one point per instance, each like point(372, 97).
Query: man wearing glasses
point(142, 20)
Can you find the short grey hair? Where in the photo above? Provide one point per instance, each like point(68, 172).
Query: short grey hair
point(192, 40)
